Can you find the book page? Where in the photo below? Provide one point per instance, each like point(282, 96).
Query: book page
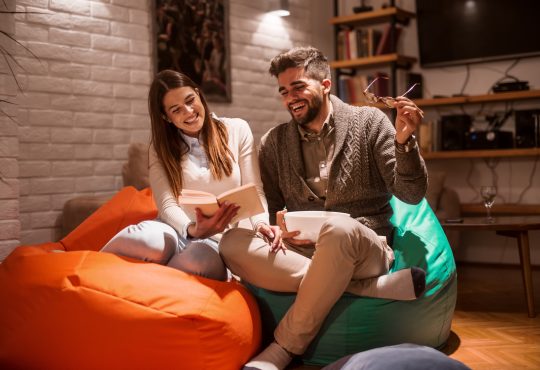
point(247, 198)
point(191, 199)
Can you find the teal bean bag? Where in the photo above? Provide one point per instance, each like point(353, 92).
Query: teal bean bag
point(360, 323)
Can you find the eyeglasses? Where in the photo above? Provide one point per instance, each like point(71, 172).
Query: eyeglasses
point(386, 100)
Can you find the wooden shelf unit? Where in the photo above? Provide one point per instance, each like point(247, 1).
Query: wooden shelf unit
point(400, 60)
point(487, 153)
point(373, 17)
point(391, 15)
point(479, 99)
point(473, 99)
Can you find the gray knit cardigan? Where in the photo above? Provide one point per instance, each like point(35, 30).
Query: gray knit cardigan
point(366, 169)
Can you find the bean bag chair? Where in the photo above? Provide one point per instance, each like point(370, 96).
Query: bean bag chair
point(360, 323)
point(67, 306)
point(405, 356)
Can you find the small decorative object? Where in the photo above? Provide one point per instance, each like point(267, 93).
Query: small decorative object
point(362, 8)
point(488, 194)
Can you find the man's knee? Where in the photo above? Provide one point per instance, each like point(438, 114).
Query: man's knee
point(235, 241)
point(342, 227)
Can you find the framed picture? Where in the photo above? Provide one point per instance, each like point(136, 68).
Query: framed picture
point(192, 37)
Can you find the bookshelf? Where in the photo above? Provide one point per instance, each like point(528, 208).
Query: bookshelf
point(373, 61)
point(373, 17)
point(487, 153)
point(472, 99)
point(391, 16)
point(479, 99)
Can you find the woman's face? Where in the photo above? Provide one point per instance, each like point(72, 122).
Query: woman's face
point(184, 109)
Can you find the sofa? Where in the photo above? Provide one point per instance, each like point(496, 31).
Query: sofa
point(443, 200)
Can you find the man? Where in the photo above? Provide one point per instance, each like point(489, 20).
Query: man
point(337, 157)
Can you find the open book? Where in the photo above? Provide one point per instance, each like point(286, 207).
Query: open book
point(245, 196)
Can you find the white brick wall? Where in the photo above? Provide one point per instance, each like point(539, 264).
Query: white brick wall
point(9, 146)
point(85, 101)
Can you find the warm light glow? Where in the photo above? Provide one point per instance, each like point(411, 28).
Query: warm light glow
point(470, 7)
point(280, 13)
point(279, 8)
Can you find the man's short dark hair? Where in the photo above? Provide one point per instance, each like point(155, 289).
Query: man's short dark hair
point(311, 59)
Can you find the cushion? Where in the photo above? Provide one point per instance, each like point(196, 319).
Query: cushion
point(401, 357)
point(91, 310)
point(135, 171)
point(361, 323)
point(435, 187)
point(128, 206)
point(78, 209)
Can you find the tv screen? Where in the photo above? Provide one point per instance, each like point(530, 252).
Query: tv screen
point(454, 32)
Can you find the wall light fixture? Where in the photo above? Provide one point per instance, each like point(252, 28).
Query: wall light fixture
point(279, 7)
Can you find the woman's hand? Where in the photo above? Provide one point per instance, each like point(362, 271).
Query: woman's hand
point(289, 235)
point(408, 118)
point(205, 227)
point(272, 234)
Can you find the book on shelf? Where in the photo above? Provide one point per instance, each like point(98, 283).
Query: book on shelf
point(389, 39)
point(425, 136)
point(357, 43)
point(351, 87)
point(374, 37)
point(246, 196)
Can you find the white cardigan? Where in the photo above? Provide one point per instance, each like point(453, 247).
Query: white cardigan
point(245, 170)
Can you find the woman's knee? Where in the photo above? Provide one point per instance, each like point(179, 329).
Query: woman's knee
point(151, 241)
point(200, 259)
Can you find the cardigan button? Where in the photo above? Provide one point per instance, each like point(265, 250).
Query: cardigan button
point(311, 198)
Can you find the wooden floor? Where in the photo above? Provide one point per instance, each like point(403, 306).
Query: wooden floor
point(490, 329)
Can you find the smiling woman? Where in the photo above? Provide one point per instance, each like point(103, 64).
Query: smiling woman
point(189, 116)
point(191, 148)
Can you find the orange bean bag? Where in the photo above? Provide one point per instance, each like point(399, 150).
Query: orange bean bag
point(89, 310)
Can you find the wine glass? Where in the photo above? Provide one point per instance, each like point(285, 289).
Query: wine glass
point(488, 194)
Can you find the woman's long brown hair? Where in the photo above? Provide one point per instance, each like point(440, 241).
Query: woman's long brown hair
point(170, 146)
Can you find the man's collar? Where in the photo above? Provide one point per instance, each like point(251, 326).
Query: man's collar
point(327, 126)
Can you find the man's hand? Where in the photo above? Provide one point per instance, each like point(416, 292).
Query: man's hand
point(272, 234)
point(289, 235)
point(408, 118)
point(205, 227)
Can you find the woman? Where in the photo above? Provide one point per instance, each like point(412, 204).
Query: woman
point(194, 149)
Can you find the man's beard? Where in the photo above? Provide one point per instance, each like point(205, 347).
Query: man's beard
point(313, 110)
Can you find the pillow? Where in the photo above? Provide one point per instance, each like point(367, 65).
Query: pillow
point(127, 207)
point(135, 171)
point(434, 190)
point(401, 357)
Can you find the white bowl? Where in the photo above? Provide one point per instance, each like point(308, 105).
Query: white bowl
point(309, 223)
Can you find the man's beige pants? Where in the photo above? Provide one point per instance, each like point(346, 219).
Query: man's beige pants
point(345, 254)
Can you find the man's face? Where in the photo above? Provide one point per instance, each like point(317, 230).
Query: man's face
point(301, 95)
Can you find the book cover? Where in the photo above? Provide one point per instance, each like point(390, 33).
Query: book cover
point(425, 136)
point(245, 196)
point(388, 41)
